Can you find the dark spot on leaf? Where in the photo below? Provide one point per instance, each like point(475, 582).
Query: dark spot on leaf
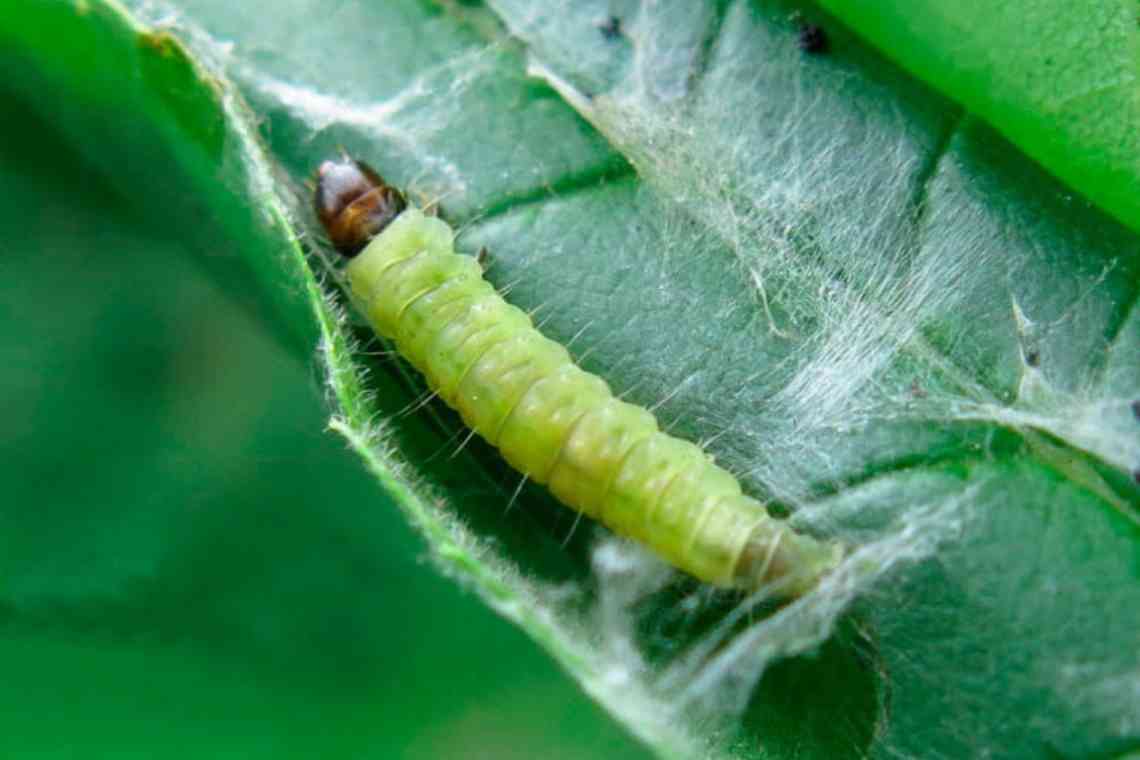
point(1136, 409)
point(160, 42)
point(812, 38)
point(1033, 358)
point(611, 28)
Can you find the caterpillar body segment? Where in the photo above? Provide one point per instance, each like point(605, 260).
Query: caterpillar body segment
point(560, 425)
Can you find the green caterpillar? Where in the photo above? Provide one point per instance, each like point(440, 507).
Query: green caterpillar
point(550, 419)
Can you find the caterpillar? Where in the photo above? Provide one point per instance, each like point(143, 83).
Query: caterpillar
point(551, 420)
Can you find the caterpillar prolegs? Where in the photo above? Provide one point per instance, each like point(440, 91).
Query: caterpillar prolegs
point(551, 420)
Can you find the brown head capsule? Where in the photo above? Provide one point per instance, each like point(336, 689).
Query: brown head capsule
point(354, 203)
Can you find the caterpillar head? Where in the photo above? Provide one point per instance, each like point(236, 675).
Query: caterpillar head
point(354, 203)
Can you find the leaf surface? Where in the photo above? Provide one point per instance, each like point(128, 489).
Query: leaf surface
point(871, 307)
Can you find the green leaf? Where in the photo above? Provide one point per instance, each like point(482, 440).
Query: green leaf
point(869, 306)
point(186, 569)
point(1057, 78)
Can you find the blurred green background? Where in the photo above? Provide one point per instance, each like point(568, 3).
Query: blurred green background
point(189, 566)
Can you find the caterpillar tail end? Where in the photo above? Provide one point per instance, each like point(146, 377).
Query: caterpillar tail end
point(789, 563)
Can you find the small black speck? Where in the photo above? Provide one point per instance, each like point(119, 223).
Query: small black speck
point(1032, 358)
point(812, 38)
point(1136, 474)
point(1136, 409)
point(611, 28)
